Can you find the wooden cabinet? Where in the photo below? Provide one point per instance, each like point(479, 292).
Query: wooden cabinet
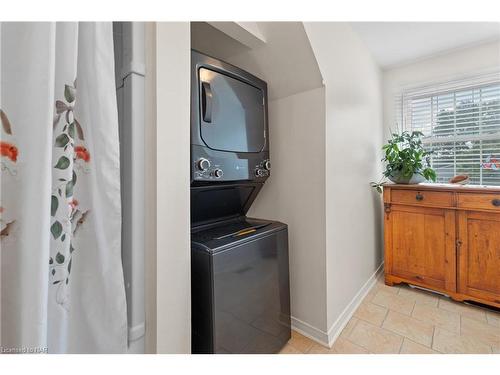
point(445, 238)
point(423, 245)
point(479, 255)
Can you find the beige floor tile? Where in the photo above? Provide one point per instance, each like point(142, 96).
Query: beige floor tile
point(371, 294)
point(463, 309)
point(319, 349)
point(410, 347)
point(394, 302)
point(341, 346)
point(437, 317)
point(289, 349)
point(481, 331)
point(493, 318)
point(380, 285)
point(300, 342)
point(349, 327)
point(372, 313)
point(411, 328)
point(421, 297)
point(451, 343)
point(375, 339)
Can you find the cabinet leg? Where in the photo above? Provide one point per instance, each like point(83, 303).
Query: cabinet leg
point(389, 282)
point(457, 298)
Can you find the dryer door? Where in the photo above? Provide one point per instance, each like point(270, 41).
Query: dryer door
point(232, 113)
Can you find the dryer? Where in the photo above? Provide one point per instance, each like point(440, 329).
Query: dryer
point(229, 123)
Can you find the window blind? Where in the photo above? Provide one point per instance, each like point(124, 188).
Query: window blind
point(461, 125)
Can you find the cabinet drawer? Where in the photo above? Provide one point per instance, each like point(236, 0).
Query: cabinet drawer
point(479, 201)
point(422, 198)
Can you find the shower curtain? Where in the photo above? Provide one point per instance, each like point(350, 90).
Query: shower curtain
point(62, 288)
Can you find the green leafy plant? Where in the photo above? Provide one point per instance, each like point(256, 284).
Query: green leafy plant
point(404, 157)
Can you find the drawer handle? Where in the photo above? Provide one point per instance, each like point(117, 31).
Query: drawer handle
point(419, 197)
point(496, 202)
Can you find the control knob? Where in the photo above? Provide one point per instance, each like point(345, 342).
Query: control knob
point(267, 165)
point(203, 164)
point(218, 173)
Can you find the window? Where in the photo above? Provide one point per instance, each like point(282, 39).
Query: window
point(462, 126)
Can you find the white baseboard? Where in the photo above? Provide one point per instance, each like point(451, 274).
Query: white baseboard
point(348, 312)
point(328, 338)
point(305, 329)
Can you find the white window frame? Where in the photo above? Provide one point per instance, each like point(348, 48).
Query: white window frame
point(433, 89)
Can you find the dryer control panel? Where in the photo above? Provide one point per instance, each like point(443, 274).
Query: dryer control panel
point(210, 166)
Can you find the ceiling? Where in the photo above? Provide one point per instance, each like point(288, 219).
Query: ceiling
point(397, 43)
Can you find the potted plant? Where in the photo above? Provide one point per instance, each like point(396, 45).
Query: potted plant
point(406, 160)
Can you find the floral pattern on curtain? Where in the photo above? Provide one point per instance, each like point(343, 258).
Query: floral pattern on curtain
point(62, 287)
point(68, 215)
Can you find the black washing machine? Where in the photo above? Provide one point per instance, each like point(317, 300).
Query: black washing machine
point(239, 266)
point(240, 287)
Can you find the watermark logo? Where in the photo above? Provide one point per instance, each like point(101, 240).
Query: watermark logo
point(24, 350)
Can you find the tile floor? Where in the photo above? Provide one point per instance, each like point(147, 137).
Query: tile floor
point(405, 320)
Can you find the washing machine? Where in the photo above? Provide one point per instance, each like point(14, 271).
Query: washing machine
point(240, 287)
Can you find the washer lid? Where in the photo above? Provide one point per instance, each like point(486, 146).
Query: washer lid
point(230, 233)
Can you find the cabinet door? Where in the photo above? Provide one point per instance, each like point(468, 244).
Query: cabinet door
point(479, 255)
point(421, 245)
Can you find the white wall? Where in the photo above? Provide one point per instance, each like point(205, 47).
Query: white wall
point(150, 187)
point(353, 141)
point(295, 194)
point(441, 68)
point(168, 111)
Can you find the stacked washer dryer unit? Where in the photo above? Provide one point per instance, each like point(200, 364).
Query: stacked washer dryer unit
point(239, 265)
